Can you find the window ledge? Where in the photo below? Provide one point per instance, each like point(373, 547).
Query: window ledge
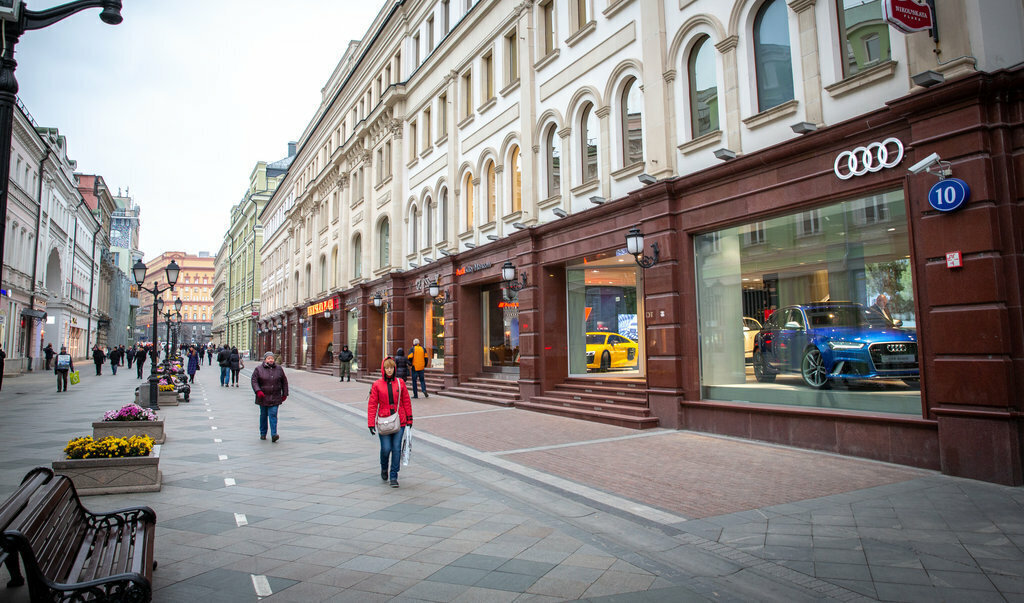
point(466, 120)
point(487, 105)
point(440, 141)
point(770, 115)
point(552, 201)
point(357, 203)
point(545, 60)
point(629, 170)
point(513, 217)
point(586, 187)
point(426, 151)
point(707, 140)
point(510, 87)
point(581, 33)
point(412, 162)
point(615, 6)
point(862, 79)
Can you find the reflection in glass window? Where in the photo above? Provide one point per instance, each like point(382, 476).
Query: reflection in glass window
point(492, 201)
point(703, 88)
point(589, 131)
point(467, 188)
point(554, 151)
point(516, 175)
point(384, 244)
point(357, 256)
point(632, 123)
point(823, 321)
point(772, 59)
point(352, 326)
point(605, 318)
point(865, 33)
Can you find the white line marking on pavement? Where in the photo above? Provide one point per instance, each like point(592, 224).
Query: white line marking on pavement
point(209, 409)
point(229, 481)
point(213, 427)
point(217, 440)
point(240, 519)
point(210, 418)
point(222, 457)
point(261, 585)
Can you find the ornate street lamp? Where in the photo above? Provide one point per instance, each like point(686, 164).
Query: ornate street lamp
point(635, 246)
point(382, 305)
point(139, 273)
point(434, 290)
point(508, 274)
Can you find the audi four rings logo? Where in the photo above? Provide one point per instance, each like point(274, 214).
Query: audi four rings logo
point(872, 158)
point(896, 347)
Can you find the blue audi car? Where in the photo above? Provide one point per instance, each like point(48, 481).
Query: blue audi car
point(829, 341)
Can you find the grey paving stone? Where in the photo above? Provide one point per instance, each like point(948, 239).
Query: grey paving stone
point(522, 566)
point(843, 571)
point(453, 574)
point(864, 587)
point(899, 575)
point(829, 555)
point(506, 581)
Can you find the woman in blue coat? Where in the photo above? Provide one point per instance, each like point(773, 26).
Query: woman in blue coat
point(193, 364)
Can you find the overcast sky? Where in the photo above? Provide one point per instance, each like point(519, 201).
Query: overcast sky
point(179, 101)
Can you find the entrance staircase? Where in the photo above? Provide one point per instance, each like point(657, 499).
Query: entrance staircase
point(488, 389)
point(434, 378)
point(621, 402)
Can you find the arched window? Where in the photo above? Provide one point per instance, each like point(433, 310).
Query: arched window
point(357, 257)
point(553, 150)
point(589, 131)
point(700, 68)
point(515, 174)
point(334, 267)
point(492, 193)
point(632, 113)
point(309, 281)
point(772, 59)
point(323, 273)
point(443, 214)
point(467, 188)
point(384, 243)
point(428, 231)
point(296, 287)
point(414, 227)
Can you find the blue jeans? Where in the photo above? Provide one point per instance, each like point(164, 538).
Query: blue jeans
point(113, 367)
point(423, 383)
point(391, 445)
point(225, 374)
point(268, 413)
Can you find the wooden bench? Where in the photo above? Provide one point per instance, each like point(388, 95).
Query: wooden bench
point(70, 553)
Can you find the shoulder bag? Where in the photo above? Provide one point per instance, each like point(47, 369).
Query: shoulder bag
point(389, 424)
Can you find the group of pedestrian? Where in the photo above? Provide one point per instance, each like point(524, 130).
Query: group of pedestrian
point(230, 362)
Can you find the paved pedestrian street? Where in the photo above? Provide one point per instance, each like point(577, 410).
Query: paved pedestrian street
point(501, 504)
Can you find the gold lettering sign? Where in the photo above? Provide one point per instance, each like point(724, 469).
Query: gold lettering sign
point(320, 307)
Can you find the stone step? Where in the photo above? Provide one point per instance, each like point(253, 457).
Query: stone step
point(609, 418)
point(610, 397)
point(608, 406)
point(487, 397)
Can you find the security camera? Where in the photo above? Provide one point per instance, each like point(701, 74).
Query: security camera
point(925, 163)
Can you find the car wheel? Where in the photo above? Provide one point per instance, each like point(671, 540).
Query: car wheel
point(606, 361)
point(762, 372)
point(812, 369)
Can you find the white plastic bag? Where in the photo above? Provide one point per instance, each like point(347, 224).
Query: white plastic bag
point(406, 446)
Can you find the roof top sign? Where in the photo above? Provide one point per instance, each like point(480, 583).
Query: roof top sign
point(908, 16)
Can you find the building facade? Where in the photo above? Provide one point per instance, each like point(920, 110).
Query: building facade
point(218, 325)
point(790, 165)
point(195, 290)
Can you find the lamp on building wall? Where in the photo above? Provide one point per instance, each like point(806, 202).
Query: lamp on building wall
point(434, 290)
point(725, 154)
point(139, 274)
point(635, 246)
point(597, 200)
point(928, 78)
point(327, 313)
point(508, 275)
point(561, 213)
point(382, 305)
point(803, 127)
point(646, 179)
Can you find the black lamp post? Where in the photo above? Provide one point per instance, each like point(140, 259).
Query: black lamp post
point(139, 274)
point(17, 20)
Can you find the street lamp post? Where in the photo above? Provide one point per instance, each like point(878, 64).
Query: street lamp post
point(139, 274)
point(17, 20)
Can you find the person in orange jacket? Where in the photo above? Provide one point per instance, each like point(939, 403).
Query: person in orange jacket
point(418, 360)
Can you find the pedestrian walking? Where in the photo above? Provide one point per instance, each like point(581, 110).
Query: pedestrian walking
point(418, 360)
point(48, 353)
point(140, 359)
point(235, 364)
point(98, 358)
point(389, 395)
point(130, 352)
point(345, 358)
point(120, 355)
point(401, 364)
point(64, 365)
point(271, 387)
point(194, 360)
point(115, 359)
point(3, 356)
point(209, 356)
point(222, 360)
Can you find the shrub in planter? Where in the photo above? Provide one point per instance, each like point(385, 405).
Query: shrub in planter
point(109, 447)
point(130, 420)
point(111, 465)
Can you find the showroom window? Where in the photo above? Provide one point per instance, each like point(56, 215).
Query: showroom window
point(605, 316)
point(815, 310)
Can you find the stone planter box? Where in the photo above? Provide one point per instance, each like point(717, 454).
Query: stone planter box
point(113, 476)
point(126, 429)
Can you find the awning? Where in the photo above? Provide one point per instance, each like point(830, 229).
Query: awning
point(33, 313)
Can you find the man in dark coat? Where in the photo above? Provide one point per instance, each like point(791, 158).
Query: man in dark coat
point(48, 352)
point(115, 359)
point(140, 359)
point(224, 360)
point(98, 358)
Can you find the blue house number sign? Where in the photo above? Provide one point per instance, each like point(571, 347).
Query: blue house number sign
point(949, 194)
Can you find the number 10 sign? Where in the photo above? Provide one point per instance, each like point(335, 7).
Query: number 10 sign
point(949, 194)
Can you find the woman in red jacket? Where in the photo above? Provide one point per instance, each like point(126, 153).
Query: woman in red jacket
point(389, 395)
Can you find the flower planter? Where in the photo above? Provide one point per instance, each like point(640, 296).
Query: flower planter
point(126, 429)
point(113, 476)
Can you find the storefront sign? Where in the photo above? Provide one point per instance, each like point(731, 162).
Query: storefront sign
point(508, 304)
point(908, 16)
point(949, 194)
point(472, 268)
point(320, 307)
point(871, 158)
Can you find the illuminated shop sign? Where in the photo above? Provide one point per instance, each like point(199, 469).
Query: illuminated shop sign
point(321, 307)
point(472, 268)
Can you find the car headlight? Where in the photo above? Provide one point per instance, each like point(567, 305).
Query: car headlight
point(846, 345)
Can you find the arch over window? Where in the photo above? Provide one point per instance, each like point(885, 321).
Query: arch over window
point(772, 57)
point(467, 188)
point(492, 193)
point(553, 160)
point(589, 130)
point(700, 69)
point(384, 243)
point(515, 174)
point(631, 118)
point(357, 256)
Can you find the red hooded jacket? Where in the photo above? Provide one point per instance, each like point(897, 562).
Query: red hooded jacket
point(378, 403)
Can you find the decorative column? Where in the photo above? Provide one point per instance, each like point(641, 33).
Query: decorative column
point(810, 66)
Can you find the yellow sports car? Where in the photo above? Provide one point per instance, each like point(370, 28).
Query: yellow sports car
point(611, 350)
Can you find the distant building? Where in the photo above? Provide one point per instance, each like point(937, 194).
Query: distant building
point(194, 288)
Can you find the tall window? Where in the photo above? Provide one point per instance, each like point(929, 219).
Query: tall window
point(772, 59)
point(703, 88)
point(414, 227)
point(334, 267)
point(864, 33)
point(488, 65)
point(309, 281)
point(430, 33)
point(323, 273)
point(492, 197)
point(580, 15)
point(428, 231)
point(443, 214)
point(442, 115)
point(516, 180)
point(445, 17)
point(415, 51)
point(553, 149)
point(632, 123)
point(547, 18)
point(357, 257)
point(384, 243)
point(589, 131)
point(511, 56)
point(426, 128)
point(467, 94)
point(412, 140)
point(467, 188)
